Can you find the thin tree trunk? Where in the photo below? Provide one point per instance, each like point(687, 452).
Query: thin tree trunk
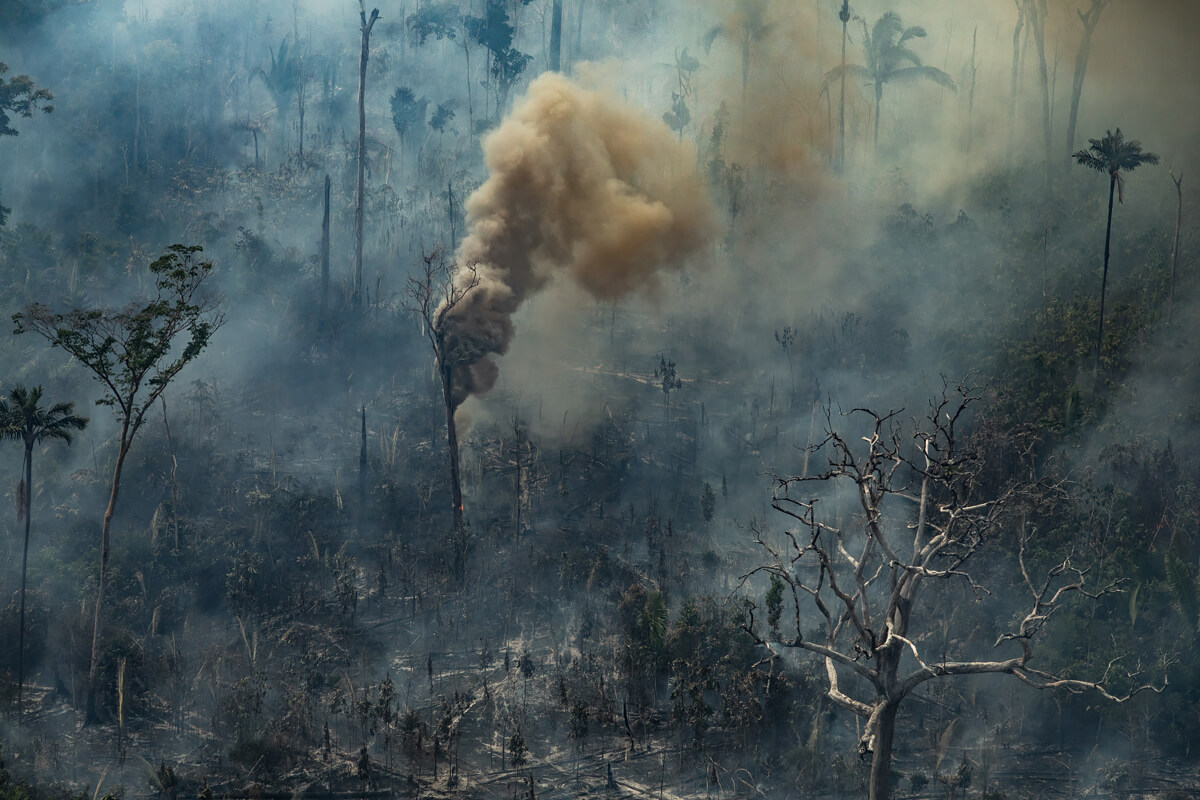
point(878, 103)
point(1175, 246)
point(881, 760)
point(91, 716)
point(1016, 72)
point(470, 100)
point(325, 251)
point(1089, 20)
point(450, 214)
point(362, 465)
point(556, 37)
point(971, 96)
point(579, 30)
point(745, 74)
point(24, 564)
point(452, 440)
point(1038, 22)
point(367, 24)
point(300, 108)
point(845, 17)
point(1112, 187)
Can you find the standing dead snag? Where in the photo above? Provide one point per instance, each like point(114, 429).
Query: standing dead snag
point(922, 515)
point(365, 28)
point(431, 296)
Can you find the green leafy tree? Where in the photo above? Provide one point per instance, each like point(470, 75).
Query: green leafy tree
point(495, 32)
point(1116, 156)
point(408, 113)
point(285, 80)
point(679, 116)
point(20, 95)
point(889, 60)
point(134, 353)
point(23, 418)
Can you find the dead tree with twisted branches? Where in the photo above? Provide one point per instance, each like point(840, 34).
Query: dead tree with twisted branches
point(922, 515)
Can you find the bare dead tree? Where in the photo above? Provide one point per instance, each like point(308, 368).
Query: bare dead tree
point(1089, 20)
point(1036, 13)
point(433, 294)
point(922, 517)
point(1016, 72)
point(367, 24)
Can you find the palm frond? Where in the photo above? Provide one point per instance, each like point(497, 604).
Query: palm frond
point(894, 56)
point(918, 74)
point(915, 32)
point(887, 29)
point(712, 35)
point(852, 71)
point(1088, 159)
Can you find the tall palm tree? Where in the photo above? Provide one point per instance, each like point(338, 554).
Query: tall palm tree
point(747, 27)
point(844, 16)
point(889, 60)
point(1116, 156)
point(22, 418)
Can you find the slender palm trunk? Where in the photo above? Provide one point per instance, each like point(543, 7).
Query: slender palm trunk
point(24, 564)
point(878, 103)
point(1175, 247)
point(745, 74)
point(1112, 187)
point(91, 716)
point(845, 16)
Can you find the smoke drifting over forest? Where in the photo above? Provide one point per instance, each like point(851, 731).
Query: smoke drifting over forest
point(682, 262)
point(578, 185)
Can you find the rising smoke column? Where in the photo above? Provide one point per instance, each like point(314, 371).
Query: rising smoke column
point(581, 185)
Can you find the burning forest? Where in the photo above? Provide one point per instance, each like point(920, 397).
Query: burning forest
point(622, 399)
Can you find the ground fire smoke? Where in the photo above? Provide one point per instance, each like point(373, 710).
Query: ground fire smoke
point(580, 185)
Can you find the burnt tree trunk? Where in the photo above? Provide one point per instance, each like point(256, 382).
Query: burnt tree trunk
point(1037, 17)
point(325, 251)
point(452, 441)
point(367, 24)
point(881, 759)
point(1016, 73)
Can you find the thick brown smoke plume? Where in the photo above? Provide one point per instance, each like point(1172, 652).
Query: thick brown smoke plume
point(579, 184)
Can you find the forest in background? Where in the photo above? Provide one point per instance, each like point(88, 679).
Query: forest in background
point(732, 344)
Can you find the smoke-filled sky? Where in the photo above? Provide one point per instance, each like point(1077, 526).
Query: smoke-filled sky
point(794, 240)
